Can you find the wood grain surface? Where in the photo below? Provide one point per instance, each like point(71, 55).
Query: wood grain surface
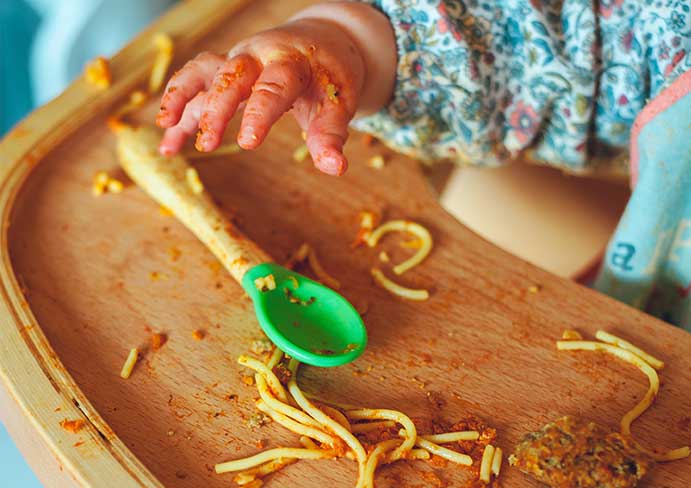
point(102, 274)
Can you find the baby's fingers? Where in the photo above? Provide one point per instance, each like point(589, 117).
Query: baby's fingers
point(175, 136)
point(326, 135)
point(194, 77)
point(232, 84)
point(274, 93)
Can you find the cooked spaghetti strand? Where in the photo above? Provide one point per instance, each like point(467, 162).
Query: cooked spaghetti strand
point(646, 401)
point(270, 455)
point(447, 437)
point(269, 376)
point(294, 426)
point(250, 475)
point(396, 289)
point(443, 452)
point(321, 273)
point(486, 463)
point(618, 341)
point(404, 226)
point(398, 417)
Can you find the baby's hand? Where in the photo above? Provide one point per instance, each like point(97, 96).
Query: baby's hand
point(308, 66)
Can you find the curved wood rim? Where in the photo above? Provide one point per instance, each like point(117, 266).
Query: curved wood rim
point(36, 382)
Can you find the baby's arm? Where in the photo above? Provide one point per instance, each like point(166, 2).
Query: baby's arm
point(324, 65)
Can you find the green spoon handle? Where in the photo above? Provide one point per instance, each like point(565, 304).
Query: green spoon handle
point(165, 179)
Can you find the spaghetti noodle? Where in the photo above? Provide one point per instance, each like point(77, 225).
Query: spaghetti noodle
point(404, 226)
point(630, 356)
point(329, 431)
point(396, 289)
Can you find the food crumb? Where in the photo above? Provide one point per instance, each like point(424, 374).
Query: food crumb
point(261, 443)
point(376, 162)
point(332, 93)
point(258, 420)
point(534, 288)
point(261, 346)
point(301, 153)
point(157, 340)
point(384, 257)
point(571, 335)
point(78, 443)
point(265, 283)
point(248, 380)
point(198, 334)
point(72, 426)
point(170, 433)
point(174, 253)
point(97, 73)
point(155, 276)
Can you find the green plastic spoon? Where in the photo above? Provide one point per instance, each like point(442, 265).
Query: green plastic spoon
point(306, 319)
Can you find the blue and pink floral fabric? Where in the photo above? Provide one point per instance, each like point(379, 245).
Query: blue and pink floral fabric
point(559, 82)
point(481, 81)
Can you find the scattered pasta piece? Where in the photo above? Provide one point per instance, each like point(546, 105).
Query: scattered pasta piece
point(265, 283)
point(321, 273)
point(129, 363)
point(97, 73)
point(443, 452)
point(631, 357)
point(396, 289)
point(330, 431)
point(164, 56)
point(270, 455)
point(376, 162)
point(301, 153)
point(103, 183)
point(100, 183)
point(412, 244)
point(404, 226)
point(193, 181)
point(486, 463)
point(617, 341)
point(298, 256)
point(496, 461)
point(571, 335)
point(367, 222)
point(468, 435)
point(115, 186)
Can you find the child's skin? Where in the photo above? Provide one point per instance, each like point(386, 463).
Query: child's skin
point(288, 68)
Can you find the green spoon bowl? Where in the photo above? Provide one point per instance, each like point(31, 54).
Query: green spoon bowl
point(307, 320)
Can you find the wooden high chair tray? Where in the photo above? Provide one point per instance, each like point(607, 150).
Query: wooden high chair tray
point(84, 279)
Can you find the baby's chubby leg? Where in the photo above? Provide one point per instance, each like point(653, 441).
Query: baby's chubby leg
point(324, 65)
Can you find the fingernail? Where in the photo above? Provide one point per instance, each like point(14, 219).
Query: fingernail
point(332, 164)
point(165, 150)
point(247, 139)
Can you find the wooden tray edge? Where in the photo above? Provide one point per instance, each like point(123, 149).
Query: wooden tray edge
point(38, 393)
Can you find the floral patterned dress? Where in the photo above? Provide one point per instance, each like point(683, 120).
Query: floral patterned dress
point(558, 82)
